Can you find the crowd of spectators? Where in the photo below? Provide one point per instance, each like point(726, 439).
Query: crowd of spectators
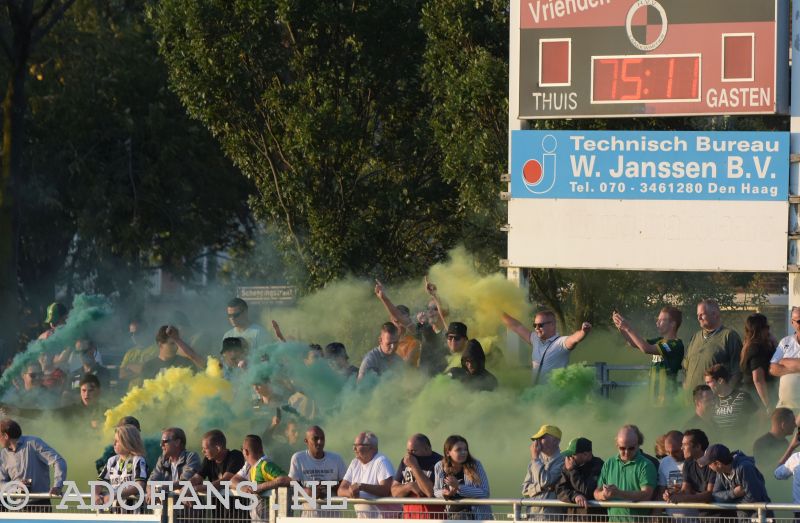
point(729, 383)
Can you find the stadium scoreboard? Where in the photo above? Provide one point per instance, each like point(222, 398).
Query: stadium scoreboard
point(606, 58)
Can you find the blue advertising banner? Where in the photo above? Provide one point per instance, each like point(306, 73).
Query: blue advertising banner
point(650, 165)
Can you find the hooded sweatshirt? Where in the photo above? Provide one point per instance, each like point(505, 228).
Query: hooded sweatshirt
point(481, 379)
point(745, 474)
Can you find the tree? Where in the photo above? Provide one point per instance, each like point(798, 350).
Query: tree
point(119, 180)
point(320, 104)
point(466, 73)
point(27, 23)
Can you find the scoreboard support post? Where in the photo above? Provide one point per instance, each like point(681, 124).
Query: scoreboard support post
point(517, 350)
point(794, 173)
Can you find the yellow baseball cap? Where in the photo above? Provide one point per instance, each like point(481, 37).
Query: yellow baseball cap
point(548, 429)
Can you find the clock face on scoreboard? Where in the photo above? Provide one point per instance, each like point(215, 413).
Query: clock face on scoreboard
point(593, 58)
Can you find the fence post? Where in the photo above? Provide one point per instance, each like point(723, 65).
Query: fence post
point(762, 515)
point(517, 512)
point(600, 372)
point(280, 496)
point(168, 513)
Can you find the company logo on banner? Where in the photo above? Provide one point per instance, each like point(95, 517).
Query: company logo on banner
point(539, 174)
point(654, 165)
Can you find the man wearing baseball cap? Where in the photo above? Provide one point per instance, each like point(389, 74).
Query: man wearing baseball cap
point(579, 475)
point(56, 315)
point(738, 479)
point(544, 469)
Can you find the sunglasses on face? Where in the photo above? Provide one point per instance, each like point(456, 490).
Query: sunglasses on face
point(626, 449)
point(541, 325)
point(235, 314)
point(166, 441)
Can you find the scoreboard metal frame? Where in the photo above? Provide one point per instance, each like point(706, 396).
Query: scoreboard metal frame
point(625, 58)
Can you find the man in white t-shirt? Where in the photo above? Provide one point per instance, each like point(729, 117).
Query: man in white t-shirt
point(316, 464)
point(670, 471)
point(550, 351)
point(788, 465)
point(785, 364)
point(252, 333)
point(369, 476)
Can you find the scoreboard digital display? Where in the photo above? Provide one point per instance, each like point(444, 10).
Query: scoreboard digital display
point(632, 79)
point(603, 58)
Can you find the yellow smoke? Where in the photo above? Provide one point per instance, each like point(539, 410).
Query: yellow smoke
point(475, 299)
point(176, 397)
point(348, 311)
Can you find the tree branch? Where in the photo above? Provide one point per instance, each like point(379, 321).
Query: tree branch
point(43, 11)
point(54, 18)
point(6, 46)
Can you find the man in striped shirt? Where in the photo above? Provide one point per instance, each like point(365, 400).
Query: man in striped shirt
point(732, 407)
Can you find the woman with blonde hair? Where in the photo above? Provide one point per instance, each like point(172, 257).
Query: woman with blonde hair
point(126, 465)
point(459, 475)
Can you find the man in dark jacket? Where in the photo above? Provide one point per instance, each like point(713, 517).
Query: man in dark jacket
point(579, 475)
point(738, 479)
point(473, 371)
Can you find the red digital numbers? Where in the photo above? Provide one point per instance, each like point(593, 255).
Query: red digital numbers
point(628, 79)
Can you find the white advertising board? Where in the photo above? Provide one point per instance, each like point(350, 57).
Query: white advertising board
point(649, 200)
point(648, 235)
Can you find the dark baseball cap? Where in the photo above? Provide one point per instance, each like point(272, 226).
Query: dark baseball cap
point(577, 446)
point(457, 328)
point(335, 350)
point(716, 452)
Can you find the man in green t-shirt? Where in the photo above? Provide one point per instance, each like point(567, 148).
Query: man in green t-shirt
point(628, 476)
point(666, 350)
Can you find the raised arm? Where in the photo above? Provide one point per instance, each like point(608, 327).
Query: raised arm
point(430, 288)
point(515, 326)
point(394, 313)
point(185, 348)
point(576, 337)
point(633, 337)
point(277, 330)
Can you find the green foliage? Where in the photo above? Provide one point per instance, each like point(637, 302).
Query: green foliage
point(591, 295)
point(466, 73)
point(320, 104)
point(119, 180)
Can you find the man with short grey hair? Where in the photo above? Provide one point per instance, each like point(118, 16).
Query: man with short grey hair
point(713, 343)
point(369, 476)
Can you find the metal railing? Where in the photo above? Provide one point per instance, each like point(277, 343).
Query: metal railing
point(603, 374)
point(281, 508)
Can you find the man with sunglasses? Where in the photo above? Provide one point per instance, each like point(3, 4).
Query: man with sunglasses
point(785, 364)
point(550, 351)
point(176, 463)
point(628, 476)
point(239, 317)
